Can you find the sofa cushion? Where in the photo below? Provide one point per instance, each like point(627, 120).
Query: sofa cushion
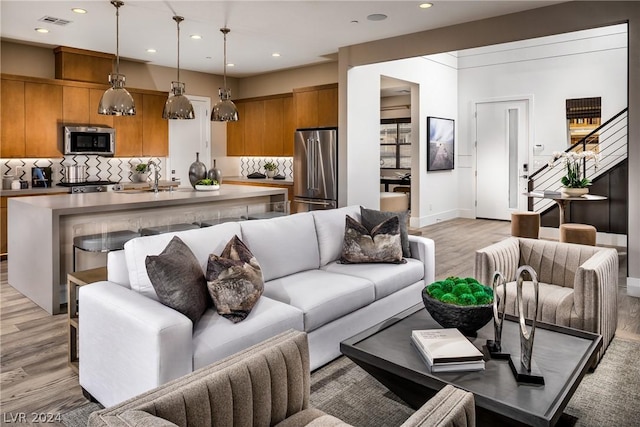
point(322, 296)
point(202, 242)
point(380, 244)
point(386, 278)
point(234, 280)
point(178, 280)
point(555, 303)
point(215, 338)
point(330, 230)
point(283, 245)
point(135, 418)
point(371, 217)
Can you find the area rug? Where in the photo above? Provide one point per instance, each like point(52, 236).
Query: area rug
point(607, 397)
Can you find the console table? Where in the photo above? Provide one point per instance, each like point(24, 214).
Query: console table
point(563, 200)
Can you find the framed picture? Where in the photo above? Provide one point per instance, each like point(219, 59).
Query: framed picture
point(440, 144)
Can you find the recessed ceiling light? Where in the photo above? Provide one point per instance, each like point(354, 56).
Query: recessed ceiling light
point(151, 51)
point(355, 21)
point(231, 64)
point(275, 54)
point(79, 10)
point(425, 5)
point(42, 30)
point(377, 17)
point(195, 36)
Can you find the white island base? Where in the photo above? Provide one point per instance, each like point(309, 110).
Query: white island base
point(41, 228)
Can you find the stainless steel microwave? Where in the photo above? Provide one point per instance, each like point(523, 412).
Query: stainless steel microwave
point(89, 140)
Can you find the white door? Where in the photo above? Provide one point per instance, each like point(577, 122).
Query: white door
point(502, 146)
point(188, 137)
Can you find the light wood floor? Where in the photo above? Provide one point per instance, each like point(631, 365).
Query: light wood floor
point(33, 344)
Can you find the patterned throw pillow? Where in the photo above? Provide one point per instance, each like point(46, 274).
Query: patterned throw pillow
point(381, 244)
point(234, 280)
point(371, 217)
point(177, 277)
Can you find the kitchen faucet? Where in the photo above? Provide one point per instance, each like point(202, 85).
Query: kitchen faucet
point(156, 174)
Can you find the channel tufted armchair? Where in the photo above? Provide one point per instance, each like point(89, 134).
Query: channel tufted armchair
point(265, 385)
point(578, 284)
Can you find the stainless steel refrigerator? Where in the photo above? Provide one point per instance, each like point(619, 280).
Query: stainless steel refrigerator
point(315, 170)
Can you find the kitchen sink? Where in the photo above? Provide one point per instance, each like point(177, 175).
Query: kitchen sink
point(150, 190)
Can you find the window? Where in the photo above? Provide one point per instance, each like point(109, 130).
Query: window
point(395, 143)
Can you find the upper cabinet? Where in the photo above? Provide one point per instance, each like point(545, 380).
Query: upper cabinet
point(33, 112)
point(264, 127)
point(316, 106)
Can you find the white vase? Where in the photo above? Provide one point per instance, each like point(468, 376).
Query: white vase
point(140, 176)
point(575, 192)
point(271, 174)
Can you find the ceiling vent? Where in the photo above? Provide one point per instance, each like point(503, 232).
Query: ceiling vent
point(54, 20)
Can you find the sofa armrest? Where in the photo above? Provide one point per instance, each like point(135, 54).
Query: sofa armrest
point(503, 256)
point(424, 249)
point(129, 343)
point(595, 291)
point(451, 406)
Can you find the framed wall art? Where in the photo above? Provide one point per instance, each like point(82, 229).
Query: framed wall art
point(440, 144)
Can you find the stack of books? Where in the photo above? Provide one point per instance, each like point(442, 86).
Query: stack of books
point(447, 350)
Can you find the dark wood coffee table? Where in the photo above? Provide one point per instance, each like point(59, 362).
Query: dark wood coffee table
point(563, 355)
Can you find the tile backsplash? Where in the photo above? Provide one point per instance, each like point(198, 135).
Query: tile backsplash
point(98, 168)
point(256, 164)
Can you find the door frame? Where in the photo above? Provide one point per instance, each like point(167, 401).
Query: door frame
point(530, 137)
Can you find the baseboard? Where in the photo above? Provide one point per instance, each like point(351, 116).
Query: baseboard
point(423, 221)
point(605, 239)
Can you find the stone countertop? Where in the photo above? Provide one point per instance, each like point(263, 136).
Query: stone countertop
point(258, 180)
point(34, 191)
point(69, 204)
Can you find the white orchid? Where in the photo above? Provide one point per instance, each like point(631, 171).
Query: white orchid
point(572, 161)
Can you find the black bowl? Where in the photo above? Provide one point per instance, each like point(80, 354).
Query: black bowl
point(467, 318)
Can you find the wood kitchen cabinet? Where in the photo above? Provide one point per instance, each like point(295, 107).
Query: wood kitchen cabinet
point(12, 118)
point(235, 133)
point(155, 129)
point(316, 106)
point(75, 105)
point(265, 128)
point(43, 116)
point(129, 130)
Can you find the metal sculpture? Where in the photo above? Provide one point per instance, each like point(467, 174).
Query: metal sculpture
point(495, 346)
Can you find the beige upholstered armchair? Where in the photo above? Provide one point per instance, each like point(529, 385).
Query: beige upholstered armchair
point(578, 284)
point(266, 385)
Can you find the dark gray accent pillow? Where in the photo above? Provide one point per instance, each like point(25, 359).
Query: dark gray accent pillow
point(234, 280)
point(177, 277)
point(382, 244)
point(372, 217)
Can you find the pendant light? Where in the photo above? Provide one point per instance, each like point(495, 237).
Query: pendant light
point(178, 106)
point(225, 110)
point(116, 101)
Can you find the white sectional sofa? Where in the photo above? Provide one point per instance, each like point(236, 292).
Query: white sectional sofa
point(131, 343)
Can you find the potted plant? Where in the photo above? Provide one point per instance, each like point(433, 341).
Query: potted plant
point(140, 173)
point(459, 303)
point(271, 169)
point(574, 182)
point(207, 185)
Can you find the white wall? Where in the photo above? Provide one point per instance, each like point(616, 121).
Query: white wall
point(550, 69)
point(434, 93)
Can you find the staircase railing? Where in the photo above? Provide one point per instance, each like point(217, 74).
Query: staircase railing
point(609, 140)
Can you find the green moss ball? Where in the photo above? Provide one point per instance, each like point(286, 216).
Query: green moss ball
point(488, 290)
point(447, 285)
point(461, 289)
point(476, 287)
point(435, 285)
point(470, 280)
point(449, 298)
point(436, 293)
point(467, 299)
point(482, 298)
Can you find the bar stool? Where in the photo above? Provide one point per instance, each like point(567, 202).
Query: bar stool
point(102, 236)
point(403, 189)
point(525, 224)
point(267, 210)
point(582, 234)
point(225, 214)
point(169, 224)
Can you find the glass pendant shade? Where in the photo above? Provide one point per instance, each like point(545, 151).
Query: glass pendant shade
point(117, 101)
point(178, 106)
point(224, 110)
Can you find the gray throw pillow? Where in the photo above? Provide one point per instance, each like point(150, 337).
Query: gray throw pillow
point(372, 217)
point(381, 244)
point(234, 280)
point(177, 277)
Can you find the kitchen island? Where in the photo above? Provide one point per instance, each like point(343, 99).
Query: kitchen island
point(41, 228)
